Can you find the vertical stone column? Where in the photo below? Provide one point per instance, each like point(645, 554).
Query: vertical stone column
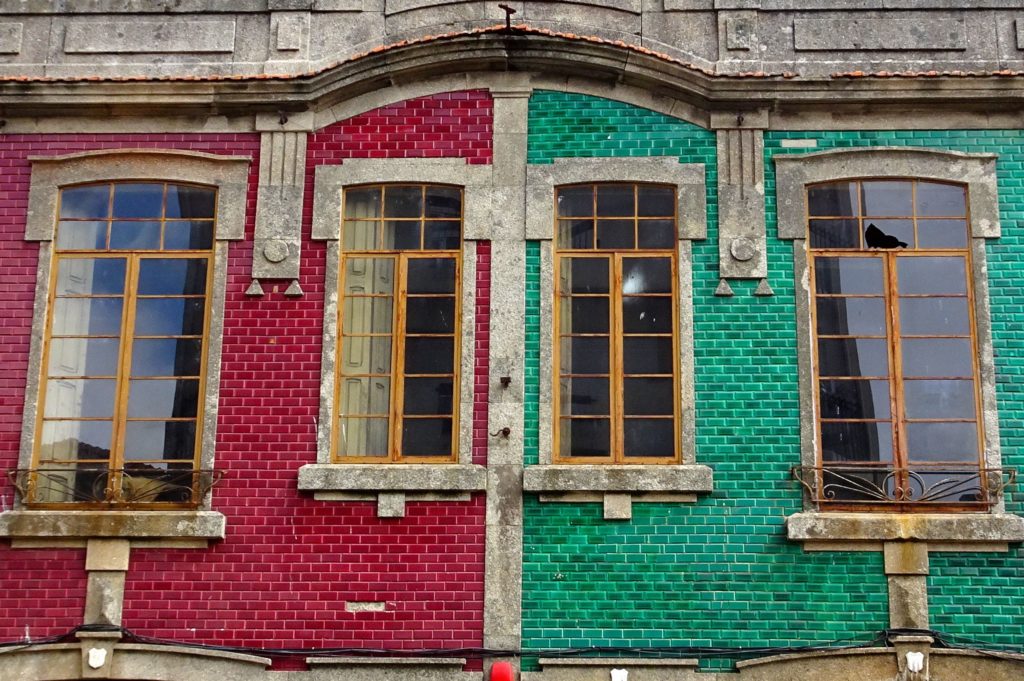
point(106, 563)
point(504, 538)
point(742, 242)
point(906, 568)
point(277, 241)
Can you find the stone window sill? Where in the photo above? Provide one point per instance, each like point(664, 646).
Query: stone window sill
point(618, 486)
point(391, 485)
point(75, 528)
point(969, 531)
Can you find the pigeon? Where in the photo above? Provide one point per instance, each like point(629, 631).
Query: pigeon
point(876, 238)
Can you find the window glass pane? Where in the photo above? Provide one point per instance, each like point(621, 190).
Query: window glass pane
point(65, 483)
point(852, 276)
point(151, 482)
point(401, 235)
point(888, 233)
point(584, 315)
point(403, 202)
point(850, 316)
point(87, 316)
point(646, 275)
point(657, 233)
point(427, 437)
point(650, 314)
point(835, 233)
point(73, 236)
point(891, 198)
point(648, 437)
point(615, 200)
point(362, 203)
point(937, 357)
point(838, 199)
point(934, 316)
point(159, 440)
point(73, 398)
point(360, 235)
point(648, 396)
point(853, 357)
point(585, 275)
point(443, 202)
point(150, 398)
point(430, 315)
point(616, 234)
point(584, 396)
point(362, 437)
point(428, 395)
point(647, 355)
point(166, 357)
point(942, 233)
point(188, 236)
point(369, 275)
point(948, 486)
point(856, 442)
point(92, 201)
point(584, 437)
point(587, 355)
point(431, 275)
point(576, 233)
point(135, 235)
point(429, 355)
point(932, 274)
point(169, 316)
point(184, 201)
point(939, 399)
point(441, 235)
point(365, 395)
point(368, 354)
point(172, 276)
point(367, 315)
point(655, 201)
point(946, 200)
point(138, 200)
point(957, 441)
point(70, 440)
point(854, 399)
point(83, 357)
point(575, 201)
point(96, 276)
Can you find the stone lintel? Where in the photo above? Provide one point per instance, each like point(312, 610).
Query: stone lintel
point(617, 478)
point(961, 528)
point(88, 524)
point(393, 477)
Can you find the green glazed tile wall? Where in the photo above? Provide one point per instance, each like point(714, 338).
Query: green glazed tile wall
point(972, 595)
point(719, 572)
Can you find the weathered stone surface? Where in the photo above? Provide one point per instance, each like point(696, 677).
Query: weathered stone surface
point(598, 669)
point(107, 554)
point(391, 505)
point(906, 558)
point(10, 37)
point(878, 31)
point(104, 597)
point(929, 527)
point(617, 478)
point(618, 506)
point(150, 37)
point(393, 477)
point(908, 601)
point(119, 524)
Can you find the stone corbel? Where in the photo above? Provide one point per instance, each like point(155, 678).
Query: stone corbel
point(742, 243)
point(277, 241)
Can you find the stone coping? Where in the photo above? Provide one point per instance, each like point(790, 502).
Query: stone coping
point(364, 662)
point(982, 528)
point(775, 659)
point(618, 662)
point(85, 524)
point(393, 477)
point(617, 478)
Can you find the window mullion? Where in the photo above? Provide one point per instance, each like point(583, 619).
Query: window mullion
point(900, 458)
point(398, 358)
point(616, 382)
point(123, 371)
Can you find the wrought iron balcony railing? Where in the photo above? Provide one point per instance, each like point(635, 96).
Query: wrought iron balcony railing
point(918, 487)
point(138, 486)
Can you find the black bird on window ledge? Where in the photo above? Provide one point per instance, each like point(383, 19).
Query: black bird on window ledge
point(876, 238)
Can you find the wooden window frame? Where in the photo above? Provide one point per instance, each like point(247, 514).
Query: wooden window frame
point(133, 258)
point(397, 375)
point(616, 336)
point(900, 464)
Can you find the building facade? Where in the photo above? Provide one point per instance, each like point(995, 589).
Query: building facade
point(392, 339)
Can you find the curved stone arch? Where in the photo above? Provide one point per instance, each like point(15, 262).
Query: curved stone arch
point(621, 92)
